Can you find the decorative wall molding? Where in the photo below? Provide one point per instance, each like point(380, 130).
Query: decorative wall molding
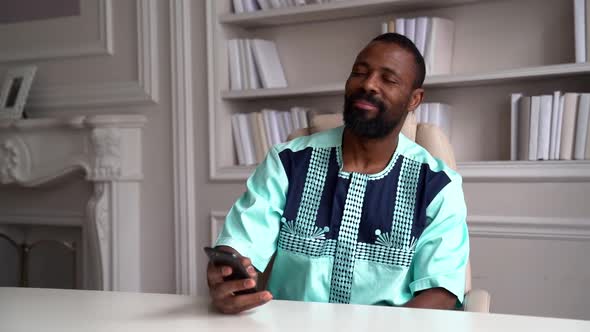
point(214, 172)
point(102, 46)
point(183, 148)
point(545, 228)
point(108, 149)
point(216, 221)
point(529, 227)
point(144, 91)
point(526, 171)
point(41, 217)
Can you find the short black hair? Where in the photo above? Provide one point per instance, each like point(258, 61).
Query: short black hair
point(405, 43)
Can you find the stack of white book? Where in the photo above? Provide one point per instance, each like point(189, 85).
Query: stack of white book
point(582, 29)
point(247, 6)
point(550, 127)
point(254, 64)
point(436, 114)
point(433, 37)
point(255, 133)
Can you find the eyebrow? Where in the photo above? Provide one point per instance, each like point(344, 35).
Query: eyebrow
point(386, 69)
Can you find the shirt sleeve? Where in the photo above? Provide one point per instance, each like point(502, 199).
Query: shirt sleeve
point(442, 250)
point(252, 225)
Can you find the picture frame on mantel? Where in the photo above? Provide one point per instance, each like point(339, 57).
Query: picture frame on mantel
point(15, 90)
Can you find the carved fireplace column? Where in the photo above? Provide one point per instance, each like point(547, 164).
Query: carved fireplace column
point(108, 149)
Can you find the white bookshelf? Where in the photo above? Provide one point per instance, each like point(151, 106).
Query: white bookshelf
point(501, 46)
point(331, 10)
point(439, 81)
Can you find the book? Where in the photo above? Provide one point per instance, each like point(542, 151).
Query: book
point(410, 29)
point(251, 72)
point(400, 26)
point(422, 26)
point(424, 113)
point(418, 113)
point(263, 135)
point(439, 115)
point(384, 27)
point(524, 125)
point(268, 64)
point(259, 151)
point(250, 6)
point(587, 30)
point(287, 123)
point(534, 127)
point(247, 137)
point(568, 126)
point(580, 30)
point(559, 126)
point(293, 112)
point(582, 126)
point(276, 4)
point(264, 4)
point(302, 113)
point(275, 131)
point(243, 63)
point(439, 47)
point(238, 143)
point(391, 26)
point(546, 106)
point(235, 71)
point(238, 6)
point(554, 123)
point(267, 127)
point(514, 103)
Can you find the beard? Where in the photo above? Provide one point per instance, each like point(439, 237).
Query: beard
point(373, 128)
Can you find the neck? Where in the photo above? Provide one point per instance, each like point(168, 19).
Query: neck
point(367, 156)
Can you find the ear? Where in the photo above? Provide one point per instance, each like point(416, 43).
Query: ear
point(415, 99)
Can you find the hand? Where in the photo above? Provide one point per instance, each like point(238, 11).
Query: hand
point(222, 292)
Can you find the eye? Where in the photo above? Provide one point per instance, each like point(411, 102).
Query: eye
point(358, 73)
point(389, 79)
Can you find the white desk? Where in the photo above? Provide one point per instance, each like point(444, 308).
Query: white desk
point(60, 310)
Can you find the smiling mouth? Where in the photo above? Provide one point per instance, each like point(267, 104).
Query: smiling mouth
point(365, 105)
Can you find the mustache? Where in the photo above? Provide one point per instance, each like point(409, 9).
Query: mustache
point(365, 97)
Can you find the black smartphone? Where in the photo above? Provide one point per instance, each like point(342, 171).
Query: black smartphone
point(223, 258)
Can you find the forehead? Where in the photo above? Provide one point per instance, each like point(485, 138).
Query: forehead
point(383, 55)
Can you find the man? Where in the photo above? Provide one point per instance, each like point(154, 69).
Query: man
point(356, 214)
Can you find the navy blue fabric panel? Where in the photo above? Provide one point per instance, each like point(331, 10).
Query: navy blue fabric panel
point(295, 165)
point(430, 184)
point(340, 192)
point(378, 205)
point(325, 210)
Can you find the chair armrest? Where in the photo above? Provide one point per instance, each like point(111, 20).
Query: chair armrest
point(477, 300)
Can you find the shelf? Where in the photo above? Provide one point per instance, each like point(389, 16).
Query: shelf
point(439, 81)
point(483, 171)
point(332, 10)
point(526, 171)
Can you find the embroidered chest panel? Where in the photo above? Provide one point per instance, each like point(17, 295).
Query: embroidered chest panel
point(351, 216)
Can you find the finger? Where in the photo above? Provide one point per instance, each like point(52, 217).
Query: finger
point(248, 265)
point(246, 302)
point(226, 289)
point(215, 274)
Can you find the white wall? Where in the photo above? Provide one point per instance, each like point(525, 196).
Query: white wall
point(76, 74)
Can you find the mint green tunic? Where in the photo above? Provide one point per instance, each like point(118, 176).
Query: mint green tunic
point(349, 237)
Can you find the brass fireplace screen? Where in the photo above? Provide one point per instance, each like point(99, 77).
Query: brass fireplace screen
point(44, 263)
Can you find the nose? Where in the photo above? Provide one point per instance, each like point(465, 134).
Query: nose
point(370, 83)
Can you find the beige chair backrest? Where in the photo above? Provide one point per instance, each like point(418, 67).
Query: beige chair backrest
point(428, 136)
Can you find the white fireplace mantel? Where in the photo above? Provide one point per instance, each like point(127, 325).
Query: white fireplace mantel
point(108, 149)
